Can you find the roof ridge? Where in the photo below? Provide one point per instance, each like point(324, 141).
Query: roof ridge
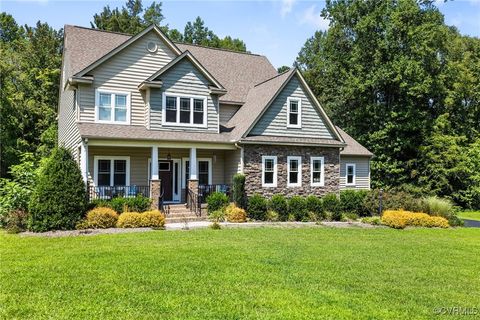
point(278, 75)
point(100, 30)
point(220, 49)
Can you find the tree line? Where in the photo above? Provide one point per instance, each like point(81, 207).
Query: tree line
point(405, 85)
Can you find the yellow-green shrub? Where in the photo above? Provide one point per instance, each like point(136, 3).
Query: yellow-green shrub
point(153, 219)
point(129, 220)
point(400, 219)
point(101, 218)
point(235, 214)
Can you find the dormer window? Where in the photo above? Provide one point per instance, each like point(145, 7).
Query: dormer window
point(112, 107)
point(294, 113)
point(184, 111)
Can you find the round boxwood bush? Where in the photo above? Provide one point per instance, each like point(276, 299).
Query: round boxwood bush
point(278, 204)
point(217, 201)
point(102, 218)
point(297, 207)
point(59, 199)
point(315, 207)
point(257, 207)
point(331, 205)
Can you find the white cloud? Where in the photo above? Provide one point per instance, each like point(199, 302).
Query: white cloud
point(287, 6)
point(312, 17)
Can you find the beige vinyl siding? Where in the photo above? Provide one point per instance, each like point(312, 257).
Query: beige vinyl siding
point(233, 164)
point(362, 166)
point(68, 133)
point(124, 72)
point(227, 111)
point(183, 79)
point(274, 120)
point(139, 158)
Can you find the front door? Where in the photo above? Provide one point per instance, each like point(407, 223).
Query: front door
point(165, 169)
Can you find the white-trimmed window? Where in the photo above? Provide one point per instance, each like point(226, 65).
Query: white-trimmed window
point(317, 175)
point(112, 107)
point(111, 171)
point(269, 171)
point(204, 170)
point(187, 111)
point(350, 174)
point(294, 171)
point(294, 112)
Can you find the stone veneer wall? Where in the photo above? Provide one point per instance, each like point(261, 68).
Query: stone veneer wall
point(253, 169)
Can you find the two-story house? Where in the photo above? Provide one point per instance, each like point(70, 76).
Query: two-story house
point(143, 114)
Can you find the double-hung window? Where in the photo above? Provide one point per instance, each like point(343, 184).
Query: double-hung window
point(184, 111)
point(350, 170)
point(294, 113)
point(294, 171)
point(269, 171)
point(317, 175)
point(112, 107)
point(112, 171)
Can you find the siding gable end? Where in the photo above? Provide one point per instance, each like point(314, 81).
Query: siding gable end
point(273, 122)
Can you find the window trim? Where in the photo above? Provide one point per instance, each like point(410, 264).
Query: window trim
point(299, 182)
point(299, 124)
point(354, 174)
point(113, 93)
point(112, 168)
point(184, 170)
point(275, 172)
point(177, 123)
point(322, 172)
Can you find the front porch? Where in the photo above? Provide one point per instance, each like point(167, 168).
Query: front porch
point(158, 171)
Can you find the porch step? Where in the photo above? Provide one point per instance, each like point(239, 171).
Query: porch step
point(170, 219)
point(179, 213)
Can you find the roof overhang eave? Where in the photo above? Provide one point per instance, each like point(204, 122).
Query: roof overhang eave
point(73, 82)
point(150, 84)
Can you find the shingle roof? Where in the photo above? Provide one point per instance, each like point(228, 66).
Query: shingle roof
point(112, 131)
point(237, 72)
point(353, 148)
point(84, 46)
point(258, 97)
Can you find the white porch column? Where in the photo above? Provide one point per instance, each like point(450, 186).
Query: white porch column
point(193, 164)
point(84, 161)
point(154, 164)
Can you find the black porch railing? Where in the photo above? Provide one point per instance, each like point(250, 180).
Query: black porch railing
point(110, 192)
point(205, 190)
point(195, 198)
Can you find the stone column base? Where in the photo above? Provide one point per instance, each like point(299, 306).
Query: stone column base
point(155, 190)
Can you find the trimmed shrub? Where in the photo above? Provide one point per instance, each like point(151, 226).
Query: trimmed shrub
point(238, 190)
point(391, 200)
point(16, 221)
point(257, 207)
point(130, 220)
point(400, 219)
point(58, 201)
point(297, 207)
point(331, 205)
point(102, 218)
point(315, 207)
point(133, 204)
point(153, 219)
point(352, 201)
point(278, 204)
point(235, 214)
point(216, 201)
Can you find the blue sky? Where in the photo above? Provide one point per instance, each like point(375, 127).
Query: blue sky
point(277, 29)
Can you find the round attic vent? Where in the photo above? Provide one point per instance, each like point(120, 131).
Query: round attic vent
point(151, 46)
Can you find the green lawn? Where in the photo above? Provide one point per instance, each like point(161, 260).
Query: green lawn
point(471, 215)
point(265, 273)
